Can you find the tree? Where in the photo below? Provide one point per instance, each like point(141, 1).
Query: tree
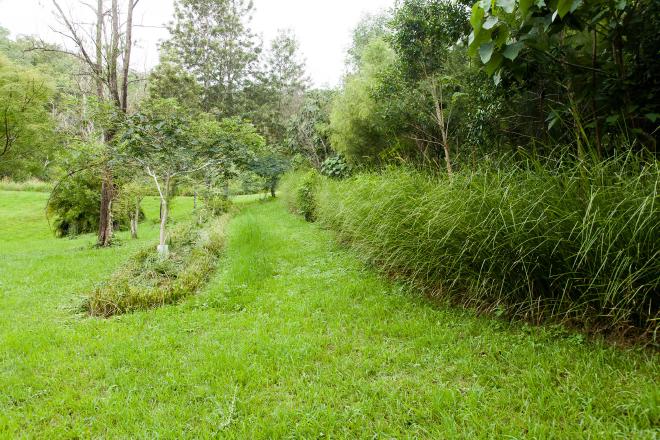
point(425, 32)
point(158, 139)
point(108, 61)
point(308, 130)
point(170, 80)
point(371, 27)
point(271, 167)
point(276, 93)
point(358, 128)
point(597, 55)
point(211, 39)
point(26, 126)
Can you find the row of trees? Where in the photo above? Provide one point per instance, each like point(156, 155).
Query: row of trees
point(445, 82)
point(217, 106)
point(437, 82)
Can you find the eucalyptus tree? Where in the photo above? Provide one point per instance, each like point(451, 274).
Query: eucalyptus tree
point(105, 47)
point(212, 40)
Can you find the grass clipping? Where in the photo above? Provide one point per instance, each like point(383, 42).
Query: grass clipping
point(147, 281)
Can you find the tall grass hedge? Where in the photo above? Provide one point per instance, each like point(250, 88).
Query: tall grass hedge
point(570, 241)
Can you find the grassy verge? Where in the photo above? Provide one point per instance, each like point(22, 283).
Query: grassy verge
point(33, 185)
point(148, 281)
point(292, 338)
point(576, 243)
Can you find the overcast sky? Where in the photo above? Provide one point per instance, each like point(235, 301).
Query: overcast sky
point(323, 27)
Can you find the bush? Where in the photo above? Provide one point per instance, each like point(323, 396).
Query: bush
point(336, 167)
point(217, 205)
point(571, 241)
point(147, 281)
point(299, 188)
point(75, 204)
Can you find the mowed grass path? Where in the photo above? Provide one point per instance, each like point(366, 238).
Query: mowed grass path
point(293, 338)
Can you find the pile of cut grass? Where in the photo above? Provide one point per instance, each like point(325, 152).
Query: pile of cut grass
point(570, 242)
point(147, 280)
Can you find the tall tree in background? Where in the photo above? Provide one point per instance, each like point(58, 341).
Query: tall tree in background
point(424, 33)
point(212, 40)
point(276, 93)
point(26, 128)
point(107, 55)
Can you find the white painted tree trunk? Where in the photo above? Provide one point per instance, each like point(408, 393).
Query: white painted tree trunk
point(163, 249)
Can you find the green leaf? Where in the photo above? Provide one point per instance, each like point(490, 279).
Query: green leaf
point(494, 64)
point(563, 7)
point(486, 52)
point(476, 39)
point(652, 117)
point(507, 5)
point(576, 4)
point(490, 22)
point(476, 17)
point(512, 50)
point(524, 6)
point(497, 77)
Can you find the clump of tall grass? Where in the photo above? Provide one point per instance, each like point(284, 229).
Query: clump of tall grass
point(299, 189)
point(33, 185)
point(574, 241)
point(147, 280)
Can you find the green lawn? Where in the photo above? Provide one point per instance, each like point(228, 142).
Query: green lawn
point(293, 338)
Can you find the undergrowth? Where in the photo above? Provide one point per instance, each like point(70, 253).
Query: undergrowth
point(571, 242)
point(147, 280)
point(32, 185)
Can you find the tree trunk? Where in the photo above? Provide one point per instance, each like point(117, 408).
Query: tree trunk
point(135, 220)
point(272, 189)
point(195, 199)
point(163, 222)
point(437, 101)
point(98, 68)
point(105, 220)
point(127, 56)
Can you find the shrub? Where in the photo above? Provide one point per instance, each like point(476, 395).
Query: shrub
point(572, 241)
point(336, 167)
point(75, 204)
point(299, 189)
point(147, 281)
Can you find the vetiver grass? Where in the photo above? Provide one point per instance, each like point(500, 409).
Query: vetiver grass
point(293, 338)
point(577, 243)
